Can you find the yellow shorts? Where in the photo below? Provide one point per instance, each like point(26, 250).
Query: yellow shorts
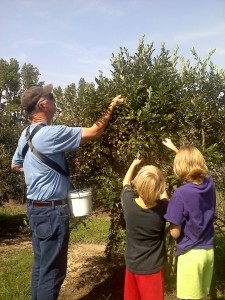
point(194, 273)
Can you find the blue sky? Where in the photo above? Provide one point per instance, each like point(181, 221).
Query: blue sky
point(70, 39)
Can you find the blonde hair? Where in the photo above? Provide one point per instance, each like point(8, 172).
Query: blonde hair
point(149, 183)
point(189, 165)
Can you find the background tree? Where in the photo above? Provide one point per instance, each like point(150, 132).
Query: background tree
point(12, 121)
point(29, 76)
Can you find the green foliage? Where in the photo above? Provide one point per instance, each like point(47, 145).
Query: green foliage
point(9, 78)
point(92, 229)
point(171, 262)
point(13, 184)
point(29, 76)
point(12, 84)
point(161, 100)
point(218, 282)
point(13, 221)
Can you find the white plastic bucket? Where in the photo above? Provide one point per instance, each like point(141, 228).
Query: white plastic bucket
point(80, 202)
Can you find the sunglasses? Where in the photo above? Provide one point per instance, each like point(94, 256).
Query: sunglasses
point(50, 96)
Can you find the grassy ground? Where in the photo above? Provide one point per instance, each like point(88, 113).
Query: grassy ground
point(15, 266)
point(89, 229)
point(16, 258)
point(16, 255)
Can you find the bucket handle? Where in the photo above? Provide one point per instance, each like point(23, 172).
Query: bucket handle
point(73, 187)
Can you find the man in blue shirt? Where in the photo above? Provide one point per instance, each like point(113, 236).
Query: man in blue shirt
point(47, 189)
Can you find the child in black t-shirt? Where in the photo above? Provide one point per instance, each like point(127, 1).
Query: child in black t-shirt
point(145, 227)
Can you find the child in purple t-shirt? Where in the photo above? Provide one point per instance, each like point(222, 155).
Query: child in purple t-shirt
point(191, 213)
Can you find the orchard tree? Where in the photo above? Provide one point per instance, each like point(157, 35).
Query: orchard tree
point(12, 121)
point(9, 102)
point(29, 76)
point(165, 96)
point(203, 112)
point(9, 79)
point(162, 100)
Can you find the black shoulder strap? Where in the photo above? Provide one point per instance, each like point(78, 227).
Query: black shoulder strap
point(35, 130)
point(46, 160)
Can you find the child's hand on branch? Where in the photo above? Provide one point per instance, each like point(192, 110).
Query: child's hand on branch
point(168, 143)
point(137, 161)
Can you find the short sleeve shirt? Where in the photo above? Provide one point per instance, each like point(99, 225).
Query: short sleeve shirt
point(44, 183)
point(193, 207)
point(145, 233)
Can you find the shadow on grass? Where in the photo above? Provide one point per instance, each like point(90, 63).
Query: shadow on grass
point(13, 225)
point(111, 288)
point(102, 279)
point(110, 274)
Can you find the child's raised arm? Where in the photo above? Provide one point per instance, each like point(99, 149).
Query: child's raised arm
point(130, 171)
point(168, 143)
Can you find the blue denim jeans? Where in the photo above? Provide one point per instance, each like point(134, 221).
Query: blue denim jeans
point(50, 238)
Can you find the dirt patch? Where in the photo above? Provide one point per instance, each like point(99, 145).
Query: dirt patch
point(91, 276)
point(19, 242)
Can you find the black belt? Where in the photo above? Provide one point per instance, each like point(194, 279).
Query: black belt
point(37, 203)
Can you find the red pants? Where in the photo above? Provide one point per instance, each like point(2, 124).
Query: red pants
point(144, 287)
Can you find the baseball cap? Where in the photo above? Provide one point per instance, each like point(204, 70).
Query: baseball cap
point(31, 96)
